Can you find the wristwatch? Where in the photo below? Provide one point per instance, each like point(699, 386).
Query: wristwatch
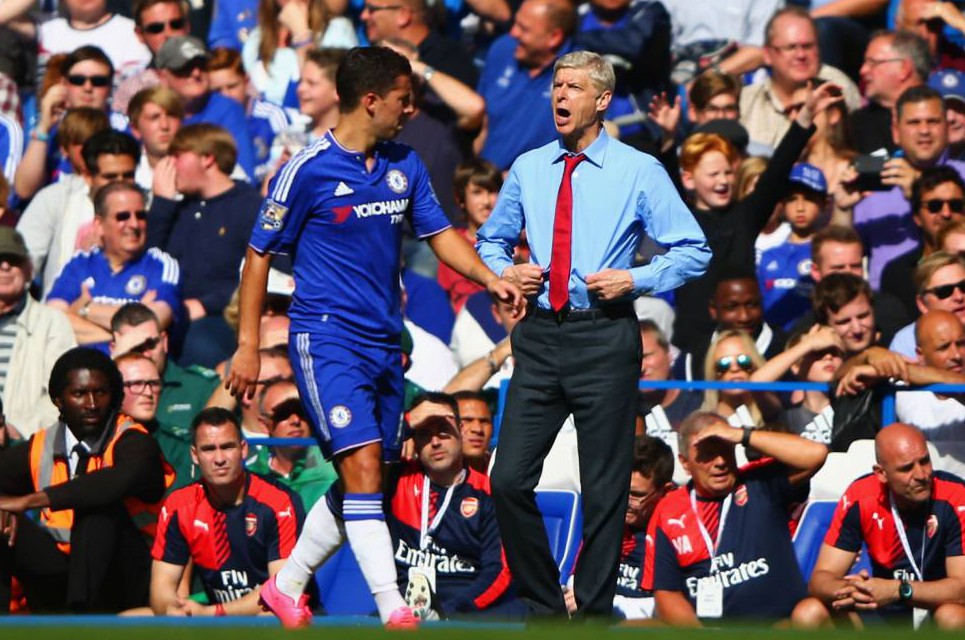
point(904, 592)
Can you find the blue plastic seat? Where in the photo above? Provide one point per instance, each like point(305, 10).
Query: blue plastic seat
point(813, 526)
point(563, 518)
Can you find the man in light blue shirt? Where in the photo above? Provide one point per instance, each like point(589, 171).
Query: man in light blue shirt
point(578, 349)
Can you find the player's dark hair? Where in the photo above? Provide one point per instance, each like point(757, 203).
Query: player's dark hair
point(86, 358)
point(653, 459)
point(215, 417)
point(368, 70)
point(437, 397)
point(111, 142)
point(133, 314)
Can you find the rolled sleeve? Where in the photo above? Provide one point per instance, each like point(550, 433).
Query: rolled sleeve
point(671, 225)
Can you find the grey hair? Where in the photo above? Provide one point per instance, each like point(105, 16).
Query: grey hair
point(599, 68)
point(913, 47)
point(694, 424)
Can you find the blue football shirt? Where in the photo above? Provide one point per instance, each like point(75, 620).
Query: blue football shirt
point(784, 274)
point(153, 270)
point(342, 225)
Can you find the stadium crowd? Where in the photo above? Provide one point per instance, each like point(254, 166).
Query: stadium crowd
point(819, 146)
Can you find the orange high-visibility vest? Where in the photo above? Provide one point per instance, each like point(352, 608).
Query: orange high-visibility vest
point(49, 467)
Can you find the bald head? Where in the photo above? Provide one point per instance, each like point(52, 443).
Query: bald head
point(904, 465)
point(941, 340)
point(895, 438)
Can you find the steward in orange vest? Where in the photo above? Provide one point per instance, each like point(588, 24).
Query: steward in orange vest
point(97, 479)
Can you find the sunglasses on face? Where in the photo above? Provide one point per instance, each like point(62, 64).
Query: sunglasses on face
point(743, 361)
point(946, 290)
point(935, 205)
point(124, 216)
point(188, 70)
point(154, 28)
point(79, 80)
point(287, 409)
point(12, 259)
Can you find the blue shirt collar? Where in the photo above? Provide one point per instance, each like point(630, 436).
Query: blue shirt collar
point(595, 153)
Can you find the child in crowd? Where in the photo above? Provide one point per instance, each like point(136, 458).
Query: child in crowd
point(477, 183)
point(265, 120)
point(784, 270)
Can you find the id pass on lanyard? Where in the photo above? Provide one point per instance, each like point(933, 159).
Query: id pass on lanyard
point(918, 615)
point(710, 592)
point(426, 529)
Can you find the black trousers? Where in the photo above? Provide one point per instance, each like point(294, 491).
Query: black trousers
point(107, 571)
point(588, 367)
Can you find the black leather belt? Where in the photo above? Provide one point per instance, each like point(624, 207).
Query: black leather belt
point(609, 312)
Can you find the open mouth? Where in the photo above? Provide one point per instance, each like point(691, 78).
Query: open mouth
point(562, 115)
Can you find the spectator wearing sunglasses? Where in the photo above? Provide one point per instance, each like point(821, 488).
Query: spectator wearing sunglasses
point(733, 357)
point(59, 221)
point(94, 284)
point(937, 199)
point(302, 469)
point(88, 22)
point(939, 282)
point(81, 80)
point(32, 338)
point(185, 390)
point(155, 22)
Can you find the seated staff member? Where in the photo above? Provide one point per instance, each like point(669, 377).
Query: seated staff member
point(440, 513)
point(911, 518)
point(650, 480)
point(236, 527)
point(720, 546)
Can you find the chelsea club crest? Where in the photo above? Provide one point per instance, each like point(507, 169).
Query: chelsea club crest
point(136, 286)
point(397, 181)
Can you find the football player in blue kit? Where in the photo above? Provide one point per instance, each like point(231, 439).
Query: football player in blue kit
point(337, 208)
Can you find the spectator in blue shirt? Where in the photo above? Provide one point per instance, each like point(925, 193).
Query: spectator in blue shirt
point(182, 64)
point(95, 284)
point(784, 271)
point(265, 120)
point(516, 81)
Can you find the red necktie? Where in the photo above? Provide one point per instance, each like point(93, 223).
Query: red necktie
point(562, 236)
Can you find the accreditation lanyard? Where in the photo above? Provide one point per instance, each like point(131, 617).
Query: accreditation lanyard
point(426, 529)
point(724, 509)
point(903, 537)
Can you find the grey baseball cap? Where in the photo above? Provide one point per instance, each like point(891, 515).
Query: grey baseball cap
point(180, 51)
point(11, 243)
